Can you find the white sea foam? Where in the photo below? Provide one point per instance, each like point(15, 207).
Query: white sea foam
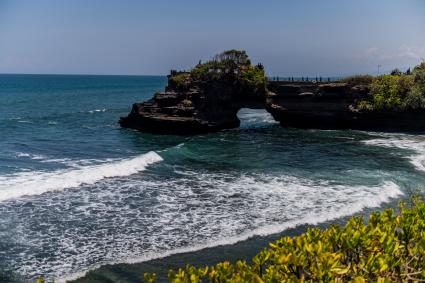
point(415, 143)
point(98, 110)
point(70, 162)
point(255, 117)
point(145, 216)
point(308, 205)
point(145, 219)
point(35, 183)
point(79, 163)
point(30, 155)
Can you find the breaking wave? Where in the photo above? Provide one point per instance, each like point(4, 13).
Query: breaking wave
point(35, 183)
point(414, 143)
point(145, 217)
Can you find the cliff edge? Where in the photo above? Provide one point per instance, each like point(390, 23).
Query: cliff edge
point(208, 98)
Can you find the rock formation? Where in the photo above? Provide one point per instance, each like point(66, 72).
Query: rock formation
point(204, 100)
point(207, 99)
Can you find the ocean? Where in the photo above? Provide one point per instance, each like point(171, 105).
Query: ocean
point(77, 191)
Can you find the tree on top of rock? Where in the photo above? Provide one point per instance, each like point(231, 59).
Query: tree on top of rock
point(229, 66)
point(233, 57)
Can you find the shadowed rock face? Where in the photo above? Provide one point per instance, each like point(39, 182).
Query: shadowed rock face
point(198, 108)
point(208, 98)
point(209, 106)
point(213, 106)
point(314, 105)
point(331, 106)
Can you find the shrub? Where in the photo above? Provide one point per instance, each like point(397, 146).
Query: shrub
point(179, 80)
point(388, 248)
point(232, 65)
point(415, 99)
point(253, 77)
point(364, 105)
point(419, 78)
point(389, 93)
point(395, 92)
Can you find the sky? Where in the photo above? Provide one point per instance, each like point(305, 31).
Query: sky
point(150, 37)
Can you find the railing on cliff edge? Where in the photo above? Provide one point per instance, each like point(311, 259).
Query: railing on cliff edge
point(303, 79)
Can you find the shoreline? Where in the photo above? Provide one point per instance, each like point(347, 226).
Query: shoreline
point(242, 250)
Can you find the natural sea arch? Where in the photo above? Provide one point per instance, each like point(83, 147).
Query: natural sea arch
point(255, 117)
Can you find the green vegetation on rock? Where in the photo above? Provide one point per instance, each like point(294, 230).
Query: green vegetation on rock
point(389, 92)
point(232, 65)
point(180, 80)
point(396, 92)
point(389, 248)
point(416, 97)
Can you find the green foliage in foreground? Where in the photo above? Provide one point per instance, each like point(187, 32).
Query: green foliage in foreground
point(389, 248)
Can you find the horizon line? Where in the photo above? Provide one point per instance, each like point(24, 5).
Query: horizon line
point(81, 74)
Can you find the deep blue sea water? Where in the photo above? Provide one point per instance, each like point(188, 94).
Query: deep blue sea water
point(77, 191)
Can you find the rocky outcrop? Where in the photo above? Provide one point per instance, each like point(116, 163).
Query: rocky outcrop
point(199, 108)
point(214, 106)
point(314, 105)
point(208, 98)
point(202, 107)
point(332, 106)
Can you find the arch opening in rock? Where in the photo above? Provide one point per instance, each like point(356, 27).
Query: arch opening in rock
point(255, 118)
point(207, 98)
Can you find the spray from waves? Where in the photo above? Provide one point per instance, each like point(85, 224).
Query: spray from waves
point(304, 205)
point(255, 118)
point(35, 183)
point(79, 163)
point(98, 110)
point(407, 142)
point(70, 162)
point(30, 156)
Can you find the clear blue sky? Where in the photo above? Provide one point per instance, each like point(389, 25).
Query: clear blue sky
point(299, 37)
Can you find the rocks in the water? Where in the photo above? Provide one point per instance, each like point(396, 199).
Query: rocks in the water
point(332, 106)
point(204, 100)
point(207, 99)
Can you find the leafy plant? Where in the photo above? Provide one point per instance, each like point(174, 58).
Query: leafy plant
point(179, 80)
point(395, 92)
point(389, 93)
point(419, 79)
point(254, 77)
point(231, 65)
point(389, 248)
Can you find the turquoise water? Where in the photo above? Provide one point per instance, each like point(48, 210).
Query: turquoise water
point(77, 191)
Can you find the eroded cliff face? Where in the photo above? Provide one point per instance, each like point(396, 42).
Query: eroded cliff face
point(198, 107)
point(314, 105)
point(209, 106)
point(332, 106)
point(207, 99)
